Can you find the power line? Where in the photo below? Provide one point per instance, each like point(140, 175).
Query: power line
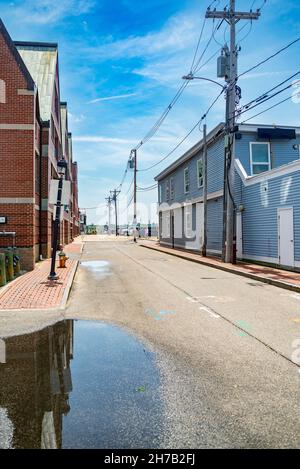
point(200, 36)
point(196, 69)
point(129, 188)
point(269, 97)
point(186, 136)
point(266, 93)
point(179, 92)
point(198, 43)
point(147, 189)
point(268, 109)
point(270, 57)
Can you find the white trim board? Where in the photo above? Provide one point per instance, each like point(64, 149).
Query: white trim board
point(165, 206)
point(267, 175)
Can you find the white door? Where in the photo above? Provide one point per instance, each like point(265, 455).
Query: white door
point(286, 236)
point(239, 236)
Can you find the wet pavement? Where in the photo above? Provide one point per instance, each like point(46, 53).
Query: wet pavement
point(152, 351)
point(79, 384)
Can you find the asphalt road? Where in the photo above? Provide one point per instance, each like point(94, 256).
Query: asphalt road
point(225, 346)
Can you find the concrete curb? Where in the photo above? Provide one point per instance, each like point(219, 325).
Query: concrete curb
point(270, 281)
point(68, 287)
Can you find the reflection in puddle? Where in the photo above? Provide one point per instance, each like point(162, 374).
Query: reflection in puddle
point(100, 268)
point(74, 385)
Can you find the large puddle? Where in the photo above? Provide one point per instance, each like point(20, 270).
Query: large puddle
point(78, 384)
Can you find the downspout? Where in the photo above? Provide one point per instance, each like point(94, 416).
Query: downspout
point(40, 189)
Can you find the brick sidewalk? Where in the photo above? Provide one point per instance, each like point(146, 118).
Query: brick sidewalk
point(33, 290)
point(74, 248)
point(280, 278)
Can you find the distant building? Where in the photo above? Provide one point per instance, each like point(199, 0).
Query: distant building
point(266, 195)
point(82, 216)
point(33, 136)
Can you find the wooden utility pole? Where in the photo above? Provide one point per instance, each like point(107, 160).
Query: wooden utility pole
point(134, 157)
point(115, 194)
point(109, 200)
point(231, 17)
point(204, 172)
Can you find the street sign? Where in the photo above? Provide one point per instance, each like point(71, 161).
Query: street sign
point(3, 220)
point(66, 192)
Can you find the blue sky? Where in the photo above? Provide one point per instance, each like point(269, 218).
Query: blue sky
point(121, 63)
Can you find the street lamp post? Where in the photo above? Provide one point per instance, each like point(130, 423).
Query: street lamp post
point(190, 76)
point(61, 168)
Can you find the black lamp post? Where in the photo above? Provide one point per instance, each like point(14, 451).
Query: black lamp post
point(62, 166)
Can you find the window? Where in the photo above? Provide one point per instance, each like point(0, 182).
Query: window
point(186, 180)
point(37, 174)
point(200, 172)
point(160, 195)
point(167, 190)
point(172, 189)
point(260, 157)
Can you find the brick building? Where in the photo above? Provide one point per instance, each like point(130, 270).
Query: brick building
point(34, 134)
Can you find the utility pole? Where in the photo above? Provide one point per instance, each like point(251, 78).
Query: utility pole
point(204, 243)
point(115, 194)
point(109, 200)
point(134, 157)
point(231, 16)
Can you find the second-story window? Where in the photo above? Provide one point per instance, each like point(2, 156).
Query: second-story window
point(200, 172)
point(260, 157)
point(167, 190)
point(186, 177)
point(172, 189)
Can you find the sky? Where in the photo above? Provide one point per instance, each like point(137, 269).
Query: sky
point(121, 63)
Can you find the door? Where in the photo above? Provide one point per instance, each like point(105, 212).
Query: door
point(239, 235)
point(286, 236)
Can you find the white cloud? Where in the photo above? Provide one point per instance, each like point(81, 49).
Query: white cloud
point(179, 32)
point(109, 98)
point(48, 11)
point(100, 139)
point(76, 118)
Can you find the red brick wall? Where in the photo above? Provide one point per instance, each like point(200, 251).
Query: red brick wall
point(21, 219)
point(17, 158)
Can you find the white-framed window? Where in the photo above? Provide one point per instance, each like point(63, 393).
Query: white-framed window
point(200, 172)
point(172, 188)
point(186, 178)
point(167, 190)
point(159, 194)
point(260, 157)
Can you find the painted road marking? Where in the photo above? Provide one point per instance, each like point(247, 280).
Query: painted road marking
point(157, 316)
point(209, 311)
point(244, 325)
point(196, 299)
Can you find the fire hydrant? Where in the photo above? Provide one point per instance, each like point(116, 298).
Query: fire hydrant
point(62, 260)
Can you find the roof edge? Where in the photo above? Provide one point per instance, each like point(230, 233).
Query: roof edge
point(41, 45)
point(190, 153)
point(11, 45)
